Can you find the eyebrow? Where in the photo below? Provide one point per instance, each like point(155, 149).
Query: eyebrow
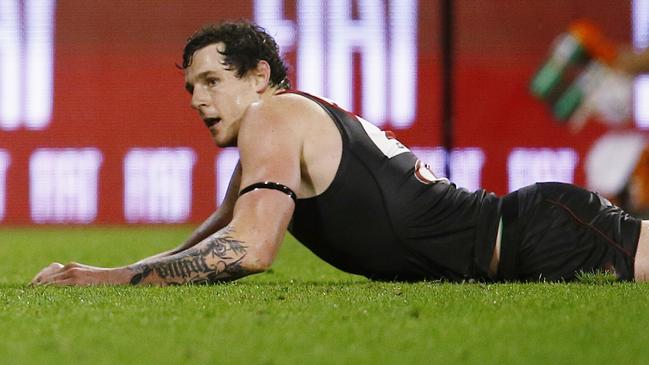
point(201, 76)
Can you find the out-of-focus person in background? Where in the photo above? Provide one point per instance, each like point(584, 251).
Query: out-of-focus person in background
point(588, 77)
point(580, 81)
point(617, 165)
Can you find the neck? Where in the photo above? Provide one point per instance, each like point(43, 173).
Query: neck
point(271, 91)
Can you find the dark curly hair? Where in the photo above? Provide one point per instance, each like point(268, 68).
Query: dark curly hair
point(245, 45)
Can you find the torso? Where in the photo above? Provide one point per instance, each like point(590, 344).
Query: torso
point(363, 211)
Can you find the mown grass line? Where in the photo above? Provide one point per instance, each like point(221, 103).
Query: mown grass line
point(300, 312)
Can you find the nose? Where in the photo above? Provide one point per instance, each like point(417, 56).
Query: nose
point(199, 98)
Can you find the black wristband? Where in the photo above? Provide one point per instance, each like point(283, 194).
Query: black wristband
point(270, 185)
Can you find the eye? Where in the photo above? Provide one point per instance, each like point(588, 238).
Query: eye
point(189, 88)
point(212, 81)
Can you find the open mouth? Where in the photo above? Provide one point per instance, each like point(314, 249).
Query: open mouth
point(209, 122)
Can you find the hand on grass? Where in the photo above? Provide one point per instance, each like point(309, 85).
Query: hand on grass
point(75, 274)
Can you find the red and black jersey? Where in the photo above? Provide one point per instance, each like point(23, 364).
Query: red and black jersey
point(387, 217)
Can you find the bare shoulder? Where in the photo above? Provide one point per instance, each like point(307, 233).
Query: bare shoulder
point(288, 113)
point(270, 144)
point(285, 117)
point(294, 132)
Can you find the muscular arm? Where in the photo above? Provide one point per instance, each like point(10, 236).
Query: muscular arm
point(218, 258)
point(249, 243)
point(246, 245)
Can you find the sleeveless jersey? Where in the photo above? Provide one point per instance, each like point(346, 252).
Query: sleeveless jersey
point(385, 216)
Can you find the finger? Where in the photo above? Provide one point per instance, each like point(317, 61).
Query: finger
point(63, 282)
point(65, 274)
point(70, 276)
point(69, 279)
point(48, 270)
point(42, 280)
point(59, 282)
point(54, 275)
point(52, 268)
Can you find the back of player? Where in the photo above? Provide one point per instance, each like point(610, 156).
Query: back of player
point(387, 217)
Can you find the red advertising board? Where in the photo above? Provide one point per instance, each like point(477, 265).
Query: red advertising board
point(95, 125)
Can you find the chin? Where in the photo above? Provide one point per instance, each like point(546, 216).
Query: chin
point(224, 144)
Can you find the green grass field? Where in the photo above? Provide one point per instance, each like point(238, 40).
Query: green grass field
point(301, 312)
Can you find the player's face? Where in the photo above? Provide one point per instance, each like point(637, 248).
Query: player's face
point(218, 95)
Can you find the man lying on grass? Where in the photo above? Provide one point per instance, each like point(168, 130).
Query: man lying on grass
point(356, 197)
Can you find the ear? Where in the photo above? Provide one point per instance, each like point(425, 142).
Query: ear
point(261, 76)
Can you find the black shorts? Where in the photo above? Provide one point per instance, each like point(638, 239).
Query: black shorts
point(554, 231)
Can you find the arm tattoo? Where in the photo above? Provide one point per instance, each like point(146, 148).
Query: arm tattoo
point(218, 260)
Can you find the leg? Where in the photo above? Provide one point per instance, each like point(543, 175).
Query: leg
point(641, 265)
point(565, 230)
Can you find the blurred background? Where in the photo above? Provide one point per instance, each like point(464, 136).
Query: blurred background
point(95, 125)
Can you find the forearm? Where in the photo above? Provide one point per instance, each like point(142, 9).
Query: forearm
point(218, 258)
